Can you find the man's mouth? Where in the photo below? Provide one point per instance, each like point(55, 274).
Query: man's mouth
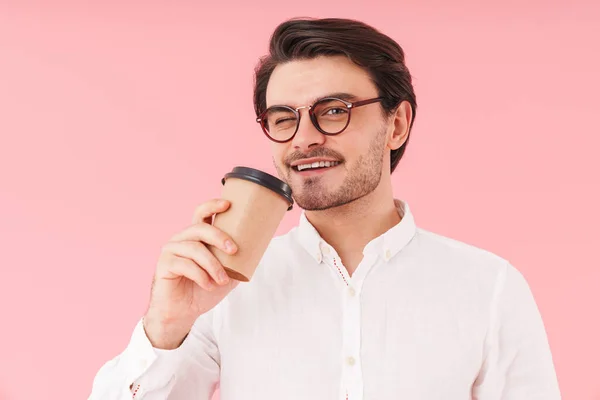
point(317, 165)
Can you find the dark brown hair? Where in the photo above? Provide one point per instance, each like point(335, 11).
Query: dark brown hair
point(378, 54)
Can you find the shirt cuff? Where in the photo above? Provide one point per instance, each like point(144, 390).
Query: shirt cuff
point(147, 368)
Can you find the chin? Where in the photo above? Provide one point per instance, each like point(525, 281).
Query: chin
point(318, 201)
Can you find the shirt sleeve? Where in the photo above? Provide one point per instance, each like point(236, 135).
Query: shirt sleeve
point(143, 372)
point(518, 363)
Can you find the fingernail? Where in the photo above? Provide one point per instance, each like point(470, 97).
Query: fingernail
point(228, 246)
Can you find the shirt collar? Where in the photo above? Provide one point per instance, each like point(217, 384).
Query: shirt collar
point(387, 245)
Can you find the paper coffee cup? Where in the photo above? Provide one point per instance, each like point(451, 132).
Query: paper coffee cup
point(258, 203)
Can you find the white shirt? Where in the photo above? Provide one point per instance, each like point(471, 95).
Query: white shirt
point(423, 317)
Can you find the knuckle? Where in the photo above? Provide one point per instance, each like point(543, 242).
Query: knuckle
point(174, 261)
point(219, 235)
point(198, 229)
point(215, 265)
point(200, 208)
point(207, 205)
point(197, 248)
point(222, 235)
point(209, 234)
point(203, 278)
point(204, 264)
point(167, 248)
point(200, 255)
point(167, 264)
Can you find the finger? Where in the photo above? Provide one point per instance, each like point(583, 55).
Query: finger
point(208, 234)
point(205, 211)
point(198, 253)
point(187, 268)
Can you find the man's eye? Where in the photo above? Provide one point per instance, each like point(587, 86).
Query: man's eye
point(335, 111)
point(282, 120)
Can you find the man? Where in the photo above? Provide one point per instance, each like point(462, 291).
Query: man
point(356, 302)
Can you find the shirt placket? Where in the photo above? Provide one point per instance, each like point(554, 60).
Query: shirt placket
point(351, 335)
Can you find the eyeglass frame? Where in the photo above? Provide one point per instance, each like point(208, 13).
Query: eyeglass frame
point(349, 105)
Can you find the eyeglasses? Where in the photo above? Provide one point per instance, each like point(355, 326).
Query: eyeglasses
point(330, 115)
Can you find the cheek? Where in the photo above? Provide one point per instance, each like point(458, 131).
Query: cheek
point(354, 144)
point(279, 152)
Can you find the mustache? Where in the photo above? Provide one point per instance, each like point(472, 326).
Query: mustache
point(318, 152)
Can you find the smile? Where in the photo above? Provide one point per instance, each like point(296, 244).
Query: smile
point(316, 165)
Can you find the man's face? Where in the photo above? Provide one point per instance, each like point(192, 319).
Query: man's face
point(358, 152)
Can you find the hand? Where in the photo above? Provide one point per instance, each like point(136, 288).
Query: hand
point(189, 280)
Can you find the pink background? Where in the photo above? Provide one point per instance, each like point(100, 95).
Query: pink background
point(116, 121)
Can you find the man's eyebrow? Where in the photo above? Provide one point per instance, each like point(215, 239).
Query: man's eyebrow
point(339, 95)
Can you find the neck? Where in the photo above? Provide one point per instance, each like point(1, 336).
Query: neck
point(349, 228)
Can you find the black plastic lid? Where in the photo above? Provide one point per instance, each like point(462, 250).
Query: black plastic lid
point(263, 179)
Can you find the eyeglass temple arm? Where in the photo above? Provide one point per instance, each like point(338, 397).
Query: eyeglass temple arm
point(365, 102)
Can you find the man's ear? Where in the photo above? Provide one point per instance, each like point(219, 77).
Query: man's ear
point(401, 125)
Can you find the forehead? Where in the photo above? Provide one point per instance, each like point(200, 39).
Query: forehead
point(301, 82)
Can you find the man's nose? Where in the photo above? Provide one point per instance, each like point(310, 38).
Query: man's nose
point(308, 135)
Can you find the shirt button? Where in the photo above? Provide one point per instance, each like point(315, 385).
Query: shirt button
point(325, 250)
point(388, 254)
point(350, 361)
point(351, 292)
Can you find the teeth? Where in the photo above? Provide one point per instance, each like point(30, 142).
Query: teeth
point(317, 164)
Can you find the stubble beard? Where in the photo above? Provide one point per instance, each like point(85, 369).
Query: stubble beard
point(362, 178)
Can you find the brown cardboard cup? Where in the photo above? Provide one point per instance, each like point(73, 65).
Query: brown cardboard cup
point(258, 203)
